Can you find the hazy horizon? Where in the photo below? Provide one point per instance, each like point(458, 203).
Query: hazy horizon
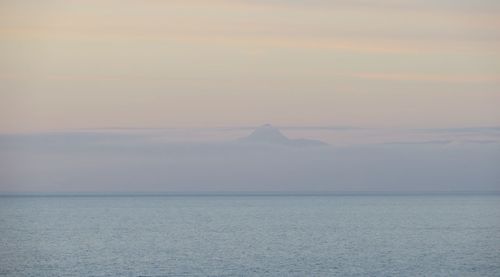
point(217, 160)
point(249, 138)
point(154, 95)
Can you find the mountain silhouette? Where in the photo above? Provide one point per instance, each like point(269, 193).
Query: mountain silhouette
point(268, 134)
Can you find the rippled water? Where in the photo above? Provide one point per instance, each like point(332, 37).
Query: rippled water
point(250, 236)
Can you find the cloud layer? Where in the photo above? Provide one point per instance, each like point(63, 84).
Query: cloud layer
point(148, 162)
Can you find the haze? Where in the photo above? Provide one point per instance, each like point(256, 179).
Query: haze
point(152, 95)
point(88, 64)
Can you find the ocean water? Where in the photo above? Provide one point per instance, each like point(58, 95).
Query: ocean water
point(361, 235)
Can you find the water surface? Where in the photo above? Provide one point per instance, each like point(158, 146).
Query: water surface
point(438, 235)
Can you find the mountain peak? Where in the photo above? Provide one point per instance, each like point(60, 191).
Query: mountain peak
point(269, 134)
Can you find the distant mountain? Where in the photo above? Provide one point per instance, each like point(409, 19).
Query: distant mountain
point(267, 134)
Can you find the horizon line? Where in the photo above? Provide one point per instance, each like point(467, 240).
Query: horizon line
point(245, 193)
point(468, 128)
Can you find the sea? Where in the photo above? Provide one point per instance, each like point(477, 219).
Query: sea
point(250, 235)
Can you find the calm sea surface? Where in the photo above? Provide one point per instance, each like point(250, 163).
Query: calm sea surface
point(250, 236)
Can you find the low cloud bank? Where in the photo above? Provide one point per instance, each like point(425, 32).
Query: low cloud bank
point(124, 162)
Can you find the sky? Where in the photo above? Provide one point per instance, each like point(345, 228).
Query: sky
point(150, 95)
point(191, 63)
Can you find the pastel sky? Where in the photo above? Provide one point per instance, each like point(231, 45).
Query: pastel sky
point(67, 64)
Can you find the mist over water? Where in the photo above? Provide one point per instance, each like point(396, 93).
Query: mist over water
point(249, 138)
point(262, 160)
